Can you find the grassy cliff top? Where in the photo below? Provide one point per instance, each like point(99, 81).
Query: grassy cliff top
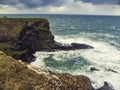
point(5, 20)
point(14, 25)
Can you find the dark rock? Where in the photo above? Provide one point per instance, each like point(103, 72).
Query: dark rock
point(94, 69)
point(35, 37)
point(111, 70)
point(81, 46)
point(106, 87)
point(72, 46)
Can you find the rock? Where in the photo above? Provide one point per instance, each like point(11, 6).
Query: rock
point(94, 69)
point(16, 75)
point(106, 87)
point(81, 46)
point(35, 37)
point(72, 46)
point(111, 70)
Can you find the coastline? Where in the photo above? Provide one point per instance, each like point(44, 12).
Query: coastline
point(31, 35)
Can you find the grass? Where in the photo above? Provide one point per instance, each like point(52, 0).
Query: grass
point(15, 25)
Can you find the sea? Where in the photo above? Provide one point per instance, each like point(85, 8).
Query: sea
point(101, 32)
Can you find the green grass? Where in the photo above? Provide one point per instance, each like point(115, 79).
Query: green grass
point(16, 24)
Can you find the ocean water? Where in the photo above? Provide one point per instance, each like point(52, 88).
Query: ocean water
point(101, 32)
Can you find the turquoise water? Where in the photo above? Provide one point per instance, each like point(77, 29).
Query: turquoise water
point(101, 32)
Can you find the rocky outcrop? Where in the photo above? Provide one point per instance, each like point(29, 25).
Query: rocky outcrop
point(16, 75)
point(21, 38)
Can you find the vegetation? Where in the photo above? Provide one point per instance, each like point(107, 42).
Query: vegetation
point(16, 76)
point(11, 53)
point(14, 25)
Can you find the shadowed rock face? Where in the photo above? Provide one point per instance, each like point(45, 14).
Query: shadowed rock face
point(35, 37)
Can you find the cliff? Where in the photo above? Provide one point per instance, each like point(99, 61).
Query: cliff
point(16, 75)
point(22, 37)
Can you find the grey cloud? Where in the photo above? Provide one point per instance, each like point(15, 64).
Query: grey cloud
point(8, 2)
point(33, 3)
point(41, 3)
point(101, 1)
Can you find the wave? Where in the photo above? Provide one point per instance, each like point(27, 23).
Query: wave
point(104, 56)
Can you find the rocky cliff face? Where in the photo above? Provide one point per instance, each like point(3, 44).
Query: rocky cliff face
point(20, 37)
point(16, 75)
point(35, 36)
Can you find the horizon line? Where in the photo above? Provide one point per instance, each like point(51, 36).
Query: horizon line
point(56, 14)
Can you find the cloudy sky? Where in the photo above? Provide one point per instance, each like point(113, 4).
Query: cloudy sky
point(96, 7)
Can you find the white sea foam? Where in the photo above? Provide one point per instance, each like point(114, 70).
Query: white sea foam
point(39, 60)
point(104, 56)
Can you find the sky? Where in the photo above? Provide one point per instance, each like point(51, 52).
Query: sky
point(89, 7)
